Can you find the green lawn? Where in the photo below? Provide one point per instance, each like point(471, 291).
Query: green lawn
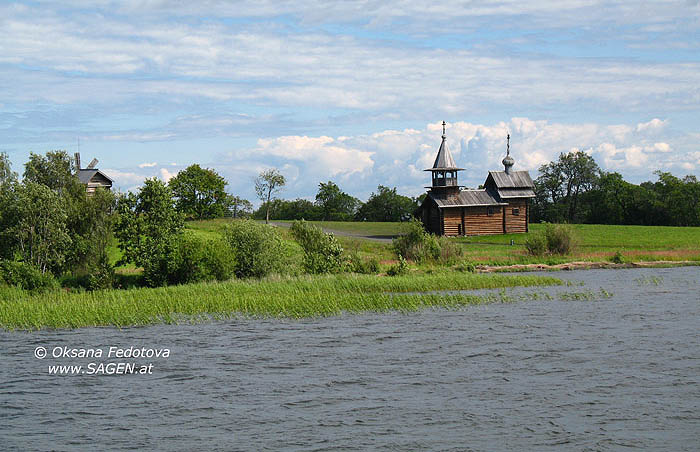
point(594, 242)
point(358, 227)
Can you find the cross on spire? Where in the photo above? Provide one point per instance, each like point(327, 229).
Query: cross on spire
point(443, 127)
point(508, 144)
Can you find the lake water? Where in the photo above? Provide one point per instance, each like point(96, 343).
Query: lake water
point(614, 373)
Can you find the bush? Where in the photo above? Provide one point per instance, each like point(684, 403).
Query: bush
point(398, 269)
point(555, 239)
point(560, 238)
point(618, 258)
point(416, 244)
point(322, 252)
point(356, 264)
point(450, 251)
point(257, 248)
point(196, 259)
point(536, 244)
point(25, 276)
point(467, 267)
point(420, 246)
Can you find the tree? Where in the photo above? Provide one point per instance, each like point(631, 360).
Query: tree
point(282, 209)
point(6, 175)
point(40, 233)
point(386, 205)
point(148, 229)
point(56, 170)
point(90, 224)
point(268, 183)
point(335, 204)
point(8, 183)
point(239, 207)
point(200, 193)
point(561, 184)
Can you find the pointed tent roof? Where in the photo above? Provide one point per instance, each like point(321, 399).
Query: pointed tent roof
point(444, 160)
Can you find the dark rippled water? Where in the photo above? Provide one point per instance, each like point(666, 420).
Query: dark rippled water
point(616, 373)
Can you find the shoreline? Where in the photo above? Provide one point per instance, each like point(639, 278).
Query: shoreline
point(582, 265)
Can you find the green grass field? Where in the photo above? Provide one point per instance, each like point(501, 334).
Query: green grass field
point(594, 242)
point(368, 228)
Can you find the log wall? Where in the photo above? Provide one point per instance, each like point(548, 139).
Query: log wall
point(516, 223)
point(452, 221)
point(478, 222)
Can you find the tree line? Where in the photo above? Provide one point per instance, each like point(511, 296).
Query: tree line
point(574, 189)
point(51, 227)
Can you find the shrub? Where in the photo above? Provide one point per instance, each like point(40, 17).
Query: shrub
point(398, 269)
point(196, 259)
point(257, 248)
point(536, 244)
point(555, 239)
point(356, 264)
point(322, 251)
point(416, 244)
point(560, 238)
point(420, 246)
point(450, 251)
point(618, 258)
point(25, 276)
point(467, 267)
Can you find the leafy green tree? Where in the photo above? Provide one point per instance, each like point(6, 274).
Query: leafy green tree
point(267, 184)
point(40, 233)
point(386, 205)
point(200, 193)
point(8, 202)
point(281, 209)
point(7, 176)
point(239, 207)
point(680, 197)
point(88, 217)
point(148, 228)
point(561, 184)
point(56, 170)
point(90, 223)
point(335, 204)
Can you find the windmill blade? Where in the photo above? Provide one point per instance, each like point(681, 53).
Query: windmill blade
point(92, 164)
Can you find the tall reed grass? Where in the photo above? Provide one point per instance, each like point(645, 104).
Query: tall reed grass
point(293, 297)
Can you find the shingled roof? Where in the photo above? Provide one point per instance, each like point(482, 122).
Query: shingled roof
point(468, 198)
point(516, 184)
point(86, 175)
point(444, 160)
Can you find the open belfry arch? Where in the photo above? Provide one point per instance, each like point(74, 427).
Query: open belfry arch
point(501, 207)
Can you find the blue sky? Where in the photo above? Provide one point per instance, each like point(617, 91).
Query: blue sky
point(352, 92)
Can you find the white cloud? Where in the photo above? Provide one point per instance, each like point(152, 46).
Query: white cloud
point(651, 126)
point(167, 175)
point(331, 155)
point(660, 147)
point(257, 63)
point(398, 157)
point(124, 178)
point(148, 165)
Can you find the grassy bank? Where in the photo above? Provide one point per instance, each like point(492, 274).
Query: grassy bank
point(593, 242)
point(293, 297)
